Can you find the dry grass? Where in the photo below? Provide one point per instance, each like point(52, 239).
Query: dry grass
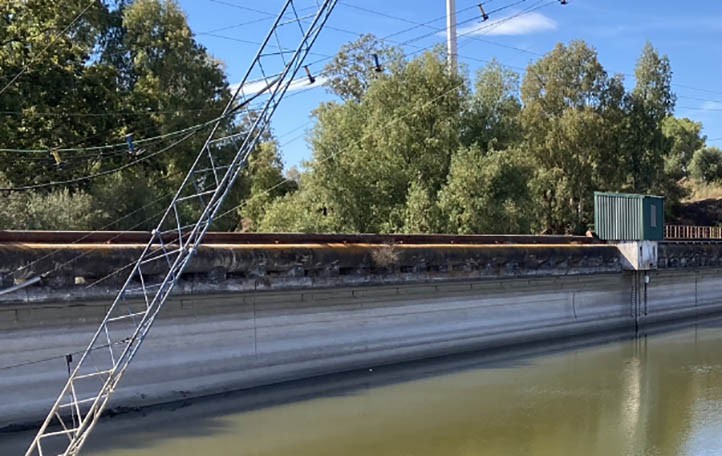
point(698, 191)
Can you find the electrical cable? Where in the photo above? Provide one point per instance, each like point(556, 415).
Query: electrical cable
point(99, 114)
point(418, 49)
point(52, 41)
point(100, 173)
point(104, 227)
point(246, 8)
point(37, 278)
point(701, 108)
point(495, 24)
point(494, 43)
point(112, 146)
point(225, 213)
point(232, 112)
point(285, 180)
point(437, 29)
point(58, 357)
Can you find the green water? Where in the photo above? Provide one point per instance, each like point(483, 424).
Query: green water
point(660, 395)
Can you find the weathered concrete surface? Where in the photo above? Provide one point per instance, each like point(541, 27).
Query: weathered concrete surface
point(253, 315)
point(690, 255)
point(233, 268)
point(210, 344)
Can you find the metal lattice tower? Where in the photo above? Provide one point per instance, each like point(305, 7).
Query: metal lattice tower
point(100, 368)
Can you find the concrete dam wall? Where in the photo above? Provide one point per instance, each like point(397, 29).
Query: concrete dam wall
point(272, 314)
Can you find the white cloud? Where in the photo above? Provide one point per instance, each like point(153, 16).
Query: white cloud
point(253, 88)
point(511, 25)
point(711, 106)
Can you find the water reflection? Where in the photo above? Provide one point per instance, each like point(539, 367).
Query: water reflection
point(659, 395)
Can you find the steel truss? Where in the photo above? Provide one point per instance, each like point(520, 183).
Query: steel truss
point(129, 319)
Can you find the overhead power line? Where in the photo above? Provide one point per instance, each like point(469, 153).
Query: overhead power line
point(100, 114)
point(109, 146)
point(100, 173)
point(234, 111)
point(470, 35)
point(491, 42)
point(268, 190)
point(52, 41)
point(271, 188)
point(245, 8)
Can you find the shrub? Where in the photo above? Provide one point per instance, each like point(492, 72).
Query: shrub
point(706, 165)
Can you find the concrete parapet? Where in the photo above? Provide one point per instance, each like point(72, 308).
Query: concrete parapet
point(676, 255)
point(233, 268)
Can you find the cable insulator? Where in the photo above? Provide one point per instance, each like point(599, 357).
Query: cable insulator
point(484, 16)
point(377, 64)
point(131, 146)
point(311, 79)
point(69, 361)
point(56, 156)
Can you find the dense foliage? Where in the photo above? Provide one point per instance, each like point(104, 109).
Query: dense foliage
point(418, 149)
point(408, 146)
point(125, 67)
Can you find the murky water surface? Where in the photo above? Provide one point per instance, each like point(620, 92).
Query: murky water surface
point(660, 395)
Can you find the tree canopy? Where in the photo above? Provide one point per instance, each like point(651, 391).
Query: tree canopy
point(406, 145)
point(125, 72)
point(416, 148)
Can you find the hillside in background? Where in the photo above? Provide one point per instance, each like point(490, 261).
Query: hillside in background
point(701, 207)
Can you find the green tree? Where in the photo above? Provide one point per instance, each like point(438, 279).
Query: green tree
point(51, 88)
point(57, 210)
point(648, 105)
point(305, 211)
point(491, 119)
point(571, 114)
point(706, 165)
point(422, 214)
point(265, 175)
point(123, 67)
point(487, 192)
point(684, 136)
point(132, 200)
point(367, 154)
point(173, 82)
point(353, 68)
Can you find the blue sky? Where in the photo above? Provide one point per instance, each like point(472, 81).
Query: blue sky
point(689, 33)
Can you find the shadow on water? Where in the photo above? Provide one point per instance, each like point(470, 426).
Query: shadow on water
point(133, 430)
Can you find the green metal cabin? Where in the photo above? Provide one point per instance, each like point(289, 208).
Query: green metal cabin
point(628, 217)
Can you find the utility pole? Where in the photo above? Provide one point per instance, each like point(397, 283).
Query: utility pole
point(451, 34)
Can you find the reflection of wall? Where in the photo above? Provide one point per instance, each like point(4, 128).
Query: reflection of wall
point(216, 343)
point(205, 344)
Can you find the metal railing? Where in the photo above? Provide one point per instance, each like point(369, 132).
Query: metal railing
point(692, 232)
